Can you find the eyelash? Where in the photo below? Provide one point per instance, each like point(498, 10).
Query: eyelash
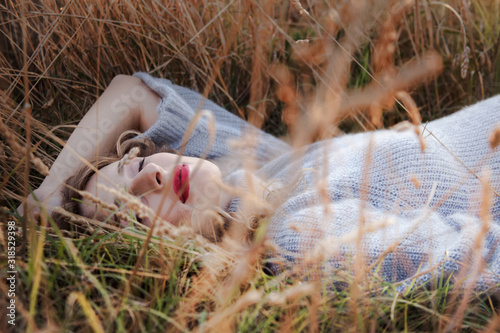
point(141, 164)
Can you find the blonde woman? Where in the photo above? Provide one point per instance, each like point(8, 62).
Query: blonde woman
point(409, 205)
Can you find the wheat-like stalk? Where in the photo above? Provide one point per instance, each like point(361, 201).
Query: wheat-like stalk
point(345, 73)
point(127, 158)
point(299, 7)
point(495, 138)
point(12, 141)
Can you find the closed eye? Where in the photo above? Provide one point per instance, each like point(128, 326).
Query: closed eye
point(141, 164)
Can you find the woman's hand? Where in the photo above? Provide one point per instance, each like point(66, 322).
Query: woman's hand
point(40, 198)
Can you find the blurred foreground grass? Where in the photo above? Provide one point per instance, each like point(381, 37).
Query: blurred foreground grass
point(264, 61)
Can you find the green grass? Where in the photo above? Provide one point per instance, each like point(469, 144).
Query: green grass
point(95, 282)
point(99, 267)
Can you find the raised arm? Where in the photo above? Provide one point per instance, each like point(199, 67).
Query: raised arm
point(127, 103)
point(179, 106)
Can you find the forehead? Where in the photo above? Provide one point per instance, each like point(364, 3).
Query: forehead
point(107, 176)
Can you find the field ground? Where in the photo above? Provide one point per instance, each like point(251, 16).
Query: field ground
point(271, 62)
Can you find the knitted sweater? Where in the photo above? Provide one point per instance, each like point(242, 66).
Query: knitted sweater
point(417, 199)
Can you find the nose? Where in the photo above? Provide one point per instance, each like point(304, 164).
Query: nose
point(150, 179)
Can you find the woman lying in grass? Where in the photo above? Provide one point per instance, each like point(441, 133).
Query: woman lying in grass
point(411, 205)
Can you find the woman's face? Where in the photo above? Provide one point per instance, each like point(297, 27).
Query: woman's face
point(175, 187)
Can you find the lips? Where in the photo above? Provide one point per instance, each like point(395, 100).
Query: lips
point(180, 183)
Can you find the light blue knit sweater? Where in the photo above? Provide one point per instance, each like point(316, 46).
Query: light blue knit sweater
point(420, 209)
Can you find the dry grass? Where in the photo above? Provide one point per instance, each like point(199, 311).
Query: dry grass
point(279, 65)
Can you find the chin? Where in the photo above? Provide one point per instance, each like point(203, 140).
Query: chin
point(211, 170)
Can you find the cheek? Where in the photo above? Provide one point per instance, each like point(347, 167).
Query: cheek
point(177, 217)
point(170, 211)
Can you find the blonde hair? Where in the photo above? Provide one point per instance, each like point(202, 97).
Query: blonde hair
point(71, 197)
point(74, 186)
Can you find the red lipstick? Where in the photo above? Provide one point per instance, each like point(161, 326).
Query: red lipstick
point(180, 183)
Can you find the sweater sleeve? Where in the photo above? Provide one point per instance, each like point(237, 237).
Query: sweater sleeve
point(178, 107)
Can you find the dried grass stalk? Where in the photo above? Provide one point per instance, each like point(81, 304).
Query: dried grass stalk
point(12, 141)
